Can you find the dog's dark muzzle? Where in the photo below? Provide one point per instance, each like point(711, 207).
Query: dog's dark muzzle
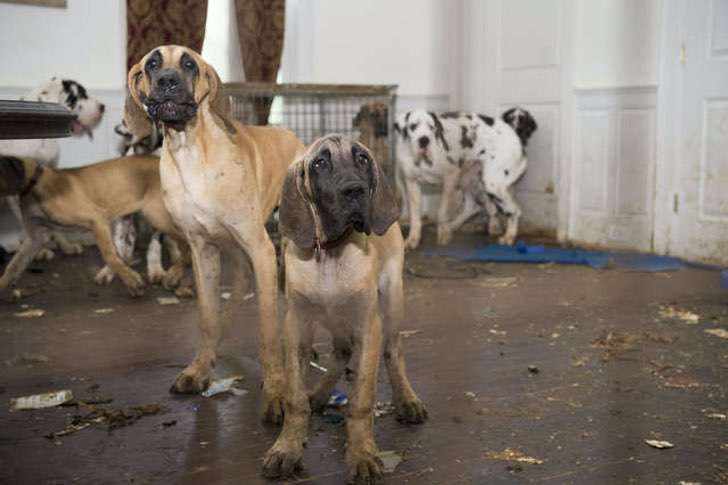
point(170, 101)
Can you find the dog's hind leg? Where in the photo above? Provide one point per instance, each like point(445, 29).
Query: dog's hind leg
point(67, 247)
point(33, 241)
point(410, 408)
point(124, 237)
point(444, 231)
point(507, 204)
point(285, 457)
point(133, 281)
point(155, 270)
point(206, 263)
point(414, 202)
point(470, 208)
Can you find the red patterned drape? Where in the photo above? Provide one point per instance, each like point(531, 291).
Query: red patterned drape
point(150, 23)
point(261, 25)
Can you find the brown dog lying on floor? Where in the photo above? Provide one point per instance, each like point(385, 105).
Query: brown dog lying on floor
point(341, 275)
point(90, 197)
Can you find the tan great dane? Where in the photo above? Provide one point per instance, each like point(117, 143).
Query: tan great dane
point(343, 259)
point(220, 181)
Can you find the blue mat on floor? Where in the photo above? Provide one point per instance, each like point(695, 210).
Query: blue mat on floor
point(530, 253)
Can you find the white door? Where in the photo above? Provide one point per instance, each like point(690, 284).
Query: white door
point(698, 223)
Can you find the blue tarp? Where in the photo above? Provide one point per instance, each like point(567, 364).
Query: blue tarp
point(530, 253)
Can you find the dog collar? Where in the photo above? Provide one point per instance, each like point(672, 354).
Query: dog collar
point(33, 180)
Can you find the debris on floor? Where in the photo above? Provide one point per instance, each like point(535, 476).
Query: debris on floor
point(32, 313)
point(390, 460)
point(41, 401)
point(718, 332)
point(681, 382)
point(533, 369)
point(113, 418)
point(409, 333)
point(720, 416)
point(470, 394)
point(318, 367)
point(513, 455)
point(248, 296)
point(674, 313)
point(27, 358)
point(497, 282)
point(104, 311)
point(168, 300)
point(225, 295)
point(383, 408)
point(615, 342)
point(659, 444)
point(225, 385)
point(337, 399)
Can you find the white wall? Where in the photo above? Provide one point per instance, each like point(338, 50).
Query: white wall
point(615, 43)
point(406, 42)
point(86, 41)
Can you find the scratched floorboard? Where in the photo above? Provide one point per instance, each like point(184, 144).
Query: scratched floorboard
point(585, 413)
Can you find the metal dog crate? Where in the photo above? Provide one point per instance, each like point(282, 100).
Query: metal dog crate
point(363, 112)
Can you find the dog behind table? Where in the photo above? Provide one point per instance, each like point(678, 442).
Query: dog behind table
point(89, 197)
point(89, 112)
point(434, 148)
point(343, 259)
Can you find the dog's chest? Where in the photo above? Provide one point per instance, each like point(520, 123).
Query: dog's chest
point(335, 280)
point(189, 192)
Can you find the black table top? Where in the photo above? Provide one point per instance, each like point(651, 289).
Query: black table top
point(34, 119)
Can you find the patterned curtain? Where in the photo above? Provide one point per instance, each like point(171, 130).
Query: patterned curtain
point(151, 23)
point(261, 25)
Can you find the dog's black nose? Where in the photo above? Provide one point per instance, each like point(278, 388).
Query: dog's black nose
point(102, 107)
point(168, 81)
point(353, 190)
point(423, 141)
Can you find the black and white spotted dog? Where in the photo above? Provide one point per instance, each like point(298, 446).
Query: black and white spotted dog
point(89, 112)
point(484, 156)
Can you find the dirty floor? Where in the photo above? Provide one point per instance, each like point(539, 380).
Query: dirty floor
point(530, 373)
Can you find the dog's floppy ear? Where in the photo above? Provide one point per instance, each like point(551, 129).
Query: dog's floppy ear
point(384, 210)
point(219, 101)
point(296, 221)
point(136, 119)
point(439, 131)
point(12, 176)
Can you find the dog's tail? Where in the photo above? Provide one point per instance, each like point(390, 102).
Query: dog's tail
point(12, 176)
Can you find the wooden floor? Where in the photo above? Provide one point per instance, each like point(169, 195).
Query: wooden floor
point(572, 367)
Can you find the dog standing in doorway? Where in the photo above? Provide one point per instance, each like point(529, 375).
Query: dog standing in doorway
point(435, 148)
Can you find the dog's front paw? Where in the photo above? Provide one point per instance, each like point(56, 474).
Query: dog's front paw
point(134, 283)
point(184, 292)
point(283, 460)
point(365, 467)
point(72, 249)
point(192, 380)
point(444, 234)
point(173, 277)
point(507, 240)
point(494, 226)
point(411, 412)
point(157, 276)
point(412, 242)
point(104, 276)
point(44, 254)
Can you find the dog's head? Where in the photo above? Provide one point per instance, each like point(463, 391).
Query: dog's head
point(12, 176)
point(422, 132)
point(168, 86)
point(337, 187)
point(374, 118)
point(522, 123)
point(72, 95)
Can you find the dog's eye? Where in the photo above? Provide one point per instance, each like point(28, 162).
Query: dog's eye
point(318, 163)
point(189, 64)
point(413, 126)
point(152, 64)
point(362, 158)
